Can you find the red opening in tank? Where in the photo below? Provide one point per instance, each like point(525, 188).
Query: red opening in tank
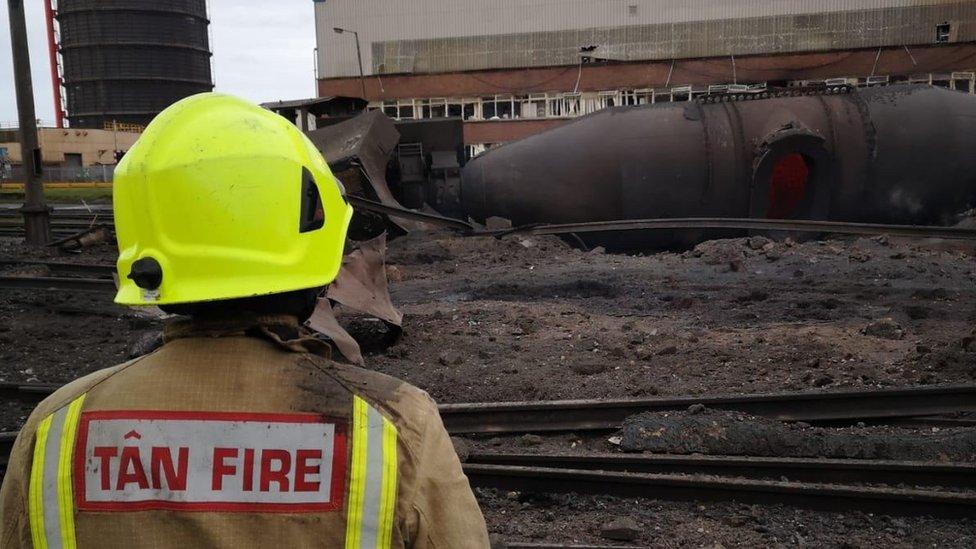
point(787, 185)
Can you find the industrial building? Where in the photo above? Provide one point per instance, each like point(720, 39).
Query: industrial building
point(512, 68)
point(69, 154)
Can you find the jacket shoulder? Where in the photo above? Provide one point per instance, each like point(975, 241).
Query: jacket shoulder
point(409, 407)
point(69, 392)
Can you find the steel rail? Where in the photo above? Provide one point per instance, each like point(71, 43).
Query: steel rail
point(826, 497)
point(57, 283)
point(822, 470)
point(6, 446)
point(369, 205)
point(59, 268)
point(31, 392)
point(584, 415)
point(607, 415)
point(837, 227)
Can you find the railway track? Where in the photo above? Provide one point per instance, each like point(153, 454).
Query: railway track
point(79, 219)
point(58, 268)
point(826, 497)
point(900, 405)
point(84, 277)
point(819, 470)
point(615, 476)
point(57, 283)
point(601, 415)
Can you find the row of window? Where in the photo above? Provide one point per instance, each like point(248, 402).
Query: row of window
point(571, 104)
point(537, 105)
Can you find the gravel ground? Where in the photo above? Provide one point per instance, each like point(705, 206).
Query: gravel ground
point(526, 318)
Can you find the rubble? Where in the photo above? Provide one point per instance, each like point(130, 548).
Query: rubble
point(885, 328)
point(730, 433)
point(621, 529)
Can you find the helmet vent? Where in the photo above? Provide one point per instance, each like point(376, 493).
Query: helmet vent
point(313, 214)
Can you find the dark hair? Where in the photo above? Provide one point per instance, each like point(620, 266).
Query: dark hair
point(298, 303)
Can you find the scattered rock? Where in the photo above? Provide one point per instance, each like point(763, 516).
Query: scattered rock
point(696, 408)
point(450, 358)
point(669, 350)
point(531, 440)
point(885, 328)
point(822, 380)
point(599, 250)
point(621, 529)
point(718, 252)
point(758, 242)
point(859, 256)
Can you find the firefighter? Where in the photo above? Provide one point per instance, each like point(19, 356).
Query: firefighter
point(239, 431)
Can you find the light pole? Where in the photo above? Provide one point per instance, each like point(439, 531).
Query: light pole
point(359, 57)
point(35, 212)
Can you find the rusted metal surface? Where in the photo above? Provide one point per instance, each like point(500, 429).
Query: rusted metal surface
point(725, 159)
point(608, 414)
point(358, 151)
point(829, 497)
point(836, 471)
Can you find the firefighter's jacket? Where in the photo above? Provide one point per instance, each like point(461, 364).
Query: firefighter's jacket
point(239, 435)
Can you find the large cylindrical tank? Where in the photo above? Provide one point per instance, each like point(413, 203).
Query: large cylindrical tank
point(898, 154)
point(127, 60)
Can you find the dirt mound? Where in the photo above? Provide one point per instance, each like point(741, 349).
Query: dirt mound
point(730, 433)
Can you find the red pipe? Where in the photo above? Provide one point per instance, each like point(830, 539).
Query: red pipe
point(52, 47)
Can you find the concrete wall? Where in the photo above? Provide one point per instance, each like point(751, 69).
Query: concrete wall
point(95, 146)
point(455, 35)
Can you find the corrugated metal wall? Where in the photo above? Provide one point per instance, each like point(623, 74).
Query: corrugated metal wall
point(453, 35)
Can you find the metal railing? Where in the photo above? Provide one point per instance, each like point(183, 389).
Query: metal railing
point(85, 174)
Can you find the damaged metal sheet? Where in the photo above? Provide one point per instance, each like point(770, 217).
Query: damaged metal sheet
point(362, 284)
point(358, 151)
point(323, 321)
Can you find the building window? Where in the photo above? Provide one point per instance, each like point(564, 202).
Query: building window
point(433, 108)
point(502, 107)
point(571, 104)
point(607, 99)
point(942, 33)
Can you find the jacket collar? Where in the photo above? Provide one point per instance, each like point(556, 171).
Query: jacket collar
point(282, 330)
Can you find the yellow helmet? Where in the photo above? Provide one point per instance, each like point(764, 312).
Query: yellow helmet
point(221, 199)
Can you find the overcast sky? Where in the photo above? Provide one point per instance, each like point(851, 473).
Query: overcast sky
point(262, 51)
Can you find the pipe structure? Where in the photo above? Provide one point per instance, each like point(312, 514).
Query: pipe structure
point(897, 154)
point(52, 49)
